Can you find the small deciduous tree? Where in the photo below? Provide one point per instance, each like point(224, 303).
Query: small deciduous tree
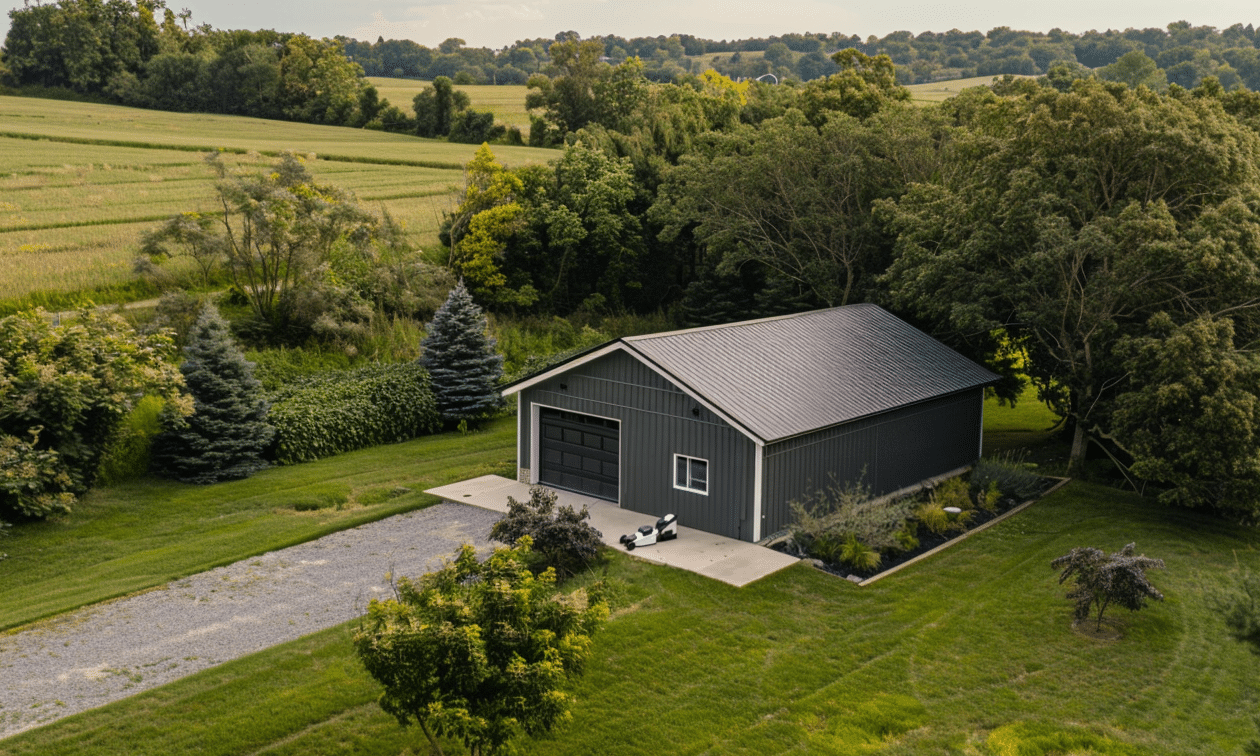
point(278, 227)
point(225, 437)
point(460, 357)
point(64, 391)
point(560, 534)
point(479, 651)
point(1103, 579)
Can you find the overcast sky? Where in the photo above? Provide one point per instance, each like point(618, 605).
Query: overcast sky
point(494, 24)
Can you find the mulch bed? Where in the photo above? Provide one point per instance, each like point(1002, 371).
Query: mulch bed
point(927, 540)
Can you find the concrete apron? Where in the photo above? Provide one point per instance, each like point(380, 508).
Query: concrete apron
point(726, 559)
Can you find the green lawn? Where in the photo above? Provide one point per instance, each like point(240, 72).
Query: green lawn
point(130, 538)
point(969, 652)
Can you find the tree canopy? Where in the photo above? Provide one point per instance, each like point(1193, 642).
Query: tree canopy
point(479, 650)
point(64, 391)
point(1063, 222)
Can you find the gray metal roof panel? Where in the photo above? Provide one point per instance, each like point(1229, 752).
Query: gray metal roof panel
point(785, 376)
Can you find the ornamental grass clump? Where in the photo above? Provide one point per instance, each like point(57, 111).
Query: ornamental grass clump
point(1015, 478)
point(843, 524)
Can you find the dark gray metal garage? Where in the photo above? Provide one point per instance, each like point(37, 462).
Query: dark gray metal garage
point(725, 425)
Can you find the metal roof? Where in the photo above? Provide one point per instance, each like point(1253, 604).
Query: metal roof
point(781, 377)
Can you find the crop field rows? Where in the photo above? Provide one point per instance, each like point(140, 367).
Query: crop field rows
point(506, 102)
point(72, 212)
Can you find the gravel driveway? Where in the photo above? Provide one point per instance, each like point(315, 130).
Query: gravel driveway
point(93, 656)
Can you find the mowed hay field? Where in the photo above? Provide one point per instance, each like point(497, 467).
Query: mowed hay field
point(939, 91)
point(507, 101)
point(80, 183)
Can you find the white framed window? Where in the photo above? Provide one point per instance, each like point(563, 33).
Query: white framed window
point(691, 474)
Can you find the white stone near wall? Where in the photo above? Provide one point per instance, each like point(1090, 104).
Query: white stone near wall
point(522, 475)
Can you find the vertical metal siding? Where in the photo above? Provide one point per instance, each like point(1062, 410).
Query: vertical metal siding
point(887, 452)
point(657, 422)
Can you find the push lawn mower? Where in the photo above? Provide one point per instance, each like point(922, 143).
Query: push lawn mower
point(666, 529)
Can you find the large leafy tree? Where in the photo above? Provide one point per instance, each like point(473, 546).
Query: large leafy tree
point(459, 355)
point(64, 391)
point(1192, 419)
point(797, 199)
point(479, 651)
point(567, 98)
point(1062, 222)
point(227, 434)
point(436, 107)
point(581, 240)
point(275, 228)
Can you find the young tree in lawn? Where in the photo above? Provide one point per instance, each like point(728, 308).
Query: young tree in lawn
point(225, 437)
point(479, 651)
point(463, 366)
point(1103, 579)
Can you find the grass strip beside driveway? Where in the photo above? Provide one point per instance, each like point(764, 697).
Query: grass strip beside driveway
point(143, 535)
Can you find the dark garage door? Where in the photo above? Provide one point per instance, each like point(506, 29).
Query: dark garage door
point(578, 453)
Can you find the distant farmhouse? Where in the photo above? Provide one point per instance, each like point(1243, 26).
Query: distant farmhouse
point(725, 425)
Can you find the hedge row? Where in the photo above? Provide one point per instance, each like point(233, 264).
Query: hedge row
point(339, 411)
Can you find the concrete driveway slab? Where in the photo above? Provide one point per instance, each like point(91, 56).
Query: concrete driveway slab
point(731, 561)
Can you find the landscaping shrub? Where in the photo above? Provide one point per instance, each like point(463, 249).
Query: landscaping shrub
point(276, 368)
point(933, 516)
point(953, 493)
point(33, 481)
point(988, 498)
point(128, 455)
point(1014, 477)
point(828, 518)
point(560, 535)
point(339, 411)
point(480, 650)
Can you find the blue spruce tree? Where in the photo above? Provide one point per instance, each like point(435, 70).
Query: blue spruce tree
point(464, 369)
point(225, 437)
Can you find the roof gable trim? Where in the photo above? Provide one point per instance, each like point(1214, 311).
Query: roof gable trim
point(621, 346)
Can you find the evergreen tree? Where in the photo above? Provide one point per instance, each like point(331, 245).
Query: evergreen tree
point(226, 435)
point(463, 366)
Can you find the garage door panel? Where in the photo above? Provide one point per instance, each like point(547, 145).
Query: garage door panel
point(579, 453)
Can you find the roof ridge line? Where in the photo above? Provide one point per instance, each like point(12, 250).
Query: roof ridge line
point(740, 323)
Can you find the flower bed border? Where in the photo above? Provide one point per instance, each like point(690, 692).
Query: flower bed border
point(964, 536)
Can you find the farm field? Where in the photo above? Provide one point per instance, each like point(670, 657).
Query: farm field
point(507, 102)
point(939, 91)
point(72, 213)
point(969, 652)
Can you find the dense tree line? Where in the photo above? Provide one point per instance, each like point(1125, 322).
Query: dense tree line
point(1184, 54)
point(143, 54)
point(1099, 240)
